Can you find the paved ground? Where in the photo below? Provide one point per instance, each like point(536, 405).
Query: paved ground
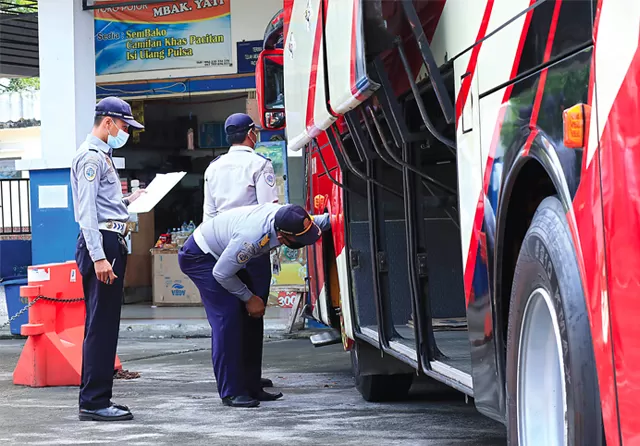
point(175, 402)
point(147, 321)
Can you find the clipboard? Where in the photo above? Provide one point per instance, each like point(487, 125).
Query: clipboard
point(156, 191)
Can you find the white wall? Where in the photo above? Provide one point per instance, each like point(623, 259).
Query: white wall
point(249, 19)
point(16, 106)
point(20, 143)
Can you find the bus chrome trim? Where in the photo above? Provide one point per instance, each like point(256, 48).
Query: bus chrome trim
point(452, 373)
point(371, 334)
point(404, 350)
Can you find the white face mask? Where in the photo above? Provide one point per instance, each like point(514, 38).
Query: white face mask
point(253, 137)
point(116, 142)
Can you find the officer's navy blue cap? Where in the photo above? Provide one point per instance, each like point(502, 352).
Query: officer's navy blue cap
point(117, 108)
point(239, 123)
point(291, 219)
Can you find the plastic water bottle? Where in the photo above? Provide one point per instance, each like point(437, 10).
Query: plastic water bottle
point(185, 227)
point(192, 227)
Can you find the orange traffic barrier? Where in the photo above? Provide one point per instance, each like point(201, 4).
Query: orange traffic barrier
point(52, 356)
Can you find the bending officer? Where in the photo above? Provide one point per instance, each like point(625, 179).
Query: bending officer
point(215, 258)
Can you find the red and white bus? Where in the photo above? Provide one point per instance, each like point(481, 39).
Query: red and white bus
point(481, 163)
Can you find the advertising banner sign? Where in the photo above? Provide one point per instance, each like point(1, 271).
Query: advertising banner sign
point(162, 36)
point(276, 151)
point(292, 262)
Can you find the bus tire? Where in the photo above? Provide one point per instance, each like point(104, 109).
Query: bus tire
point(552, 386)
point(377, 387)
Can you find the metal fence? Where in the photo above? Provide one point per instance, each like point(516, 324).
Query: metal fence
point(15, 207)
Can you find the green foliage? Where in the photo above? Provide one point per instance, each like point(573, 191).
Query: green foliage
point(21, 6)
point(23, 84)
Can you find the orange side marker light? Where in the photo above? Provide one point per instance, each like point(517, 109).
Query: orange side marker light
point(576, 121)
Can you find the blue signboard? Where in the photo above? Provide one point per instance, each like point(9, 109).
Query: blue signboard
point(248, 55)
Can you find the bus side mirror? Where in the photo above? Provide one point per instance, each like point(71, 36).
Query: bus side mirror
point(270, 89)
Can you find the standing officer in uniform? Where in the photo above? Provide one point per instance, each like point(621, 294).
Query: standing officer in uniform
point(101, 254)
point(215, 257)
point(243, 177)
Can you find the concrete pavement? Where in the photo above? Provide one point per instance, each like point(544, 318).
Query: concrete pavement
point(175, 402)
point(146, 321)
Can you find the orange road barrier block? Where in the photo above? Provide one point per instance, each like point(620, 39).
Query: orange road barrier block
point(52, 356)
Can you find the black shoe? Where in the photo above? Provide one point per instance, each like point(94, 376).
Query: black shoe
point(107, 414)
point(240, 401)
point(119, 406)
point(266, 382)
point(266, 396)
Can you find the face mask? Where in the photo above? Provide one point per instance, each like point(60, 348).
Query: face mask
point(115, 142)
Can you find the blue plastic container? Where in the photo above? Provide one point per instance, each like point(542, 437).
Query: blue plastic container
point(14, 303)
point(15, 257)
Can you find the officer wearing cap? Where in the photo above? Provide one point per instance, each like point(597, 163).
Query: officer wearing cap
point(215, 258)
point(243, 177)
point(101, 253)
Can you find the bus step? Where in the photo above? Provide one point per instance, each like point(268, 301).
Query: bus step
point(325, 338)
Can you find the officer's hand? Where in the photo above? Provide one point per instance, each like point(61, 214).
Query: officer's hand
point(104, 272)
point(134, 196)
point(255, 307)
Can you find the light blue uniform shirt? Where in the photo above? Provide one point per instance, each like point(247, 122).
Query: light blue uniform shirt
point(236, 236)
point(242, 177)
point(97, 193)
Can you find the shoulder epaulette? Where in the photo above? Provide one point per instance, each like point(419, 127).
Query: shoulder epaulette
point(216, 159)
point(262, 156)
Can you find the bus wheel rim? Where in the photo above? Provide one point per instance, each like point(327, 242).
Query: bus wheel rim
point(541, 391)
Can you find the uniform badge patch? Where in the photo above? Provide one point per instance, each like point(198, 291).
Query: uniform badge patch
point(90, 172)
point(269, 174)
point(249, 251)
point(243, 257)
point(270, 179)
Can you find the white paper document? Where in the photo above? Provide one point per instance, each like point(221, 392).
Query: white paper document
point(159, 187)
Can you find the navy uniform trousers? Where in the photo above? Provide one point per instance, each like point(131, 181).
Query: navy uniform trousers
point(102, 324)
point(236, 337)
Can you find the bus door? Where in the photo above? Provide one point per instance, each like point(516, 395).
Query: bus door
point(380, 154)
point(412, 196)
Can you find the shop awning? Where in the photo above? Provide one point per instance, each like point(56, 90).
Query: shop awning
point(19, 38)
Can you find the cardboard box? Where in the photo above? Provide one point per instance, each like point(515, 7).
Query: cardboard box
point(170, 285)
point(138, 272)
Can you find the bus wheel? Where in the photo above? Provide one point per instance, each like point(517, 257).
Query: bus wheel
point(378, 387)
point(552, 387)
